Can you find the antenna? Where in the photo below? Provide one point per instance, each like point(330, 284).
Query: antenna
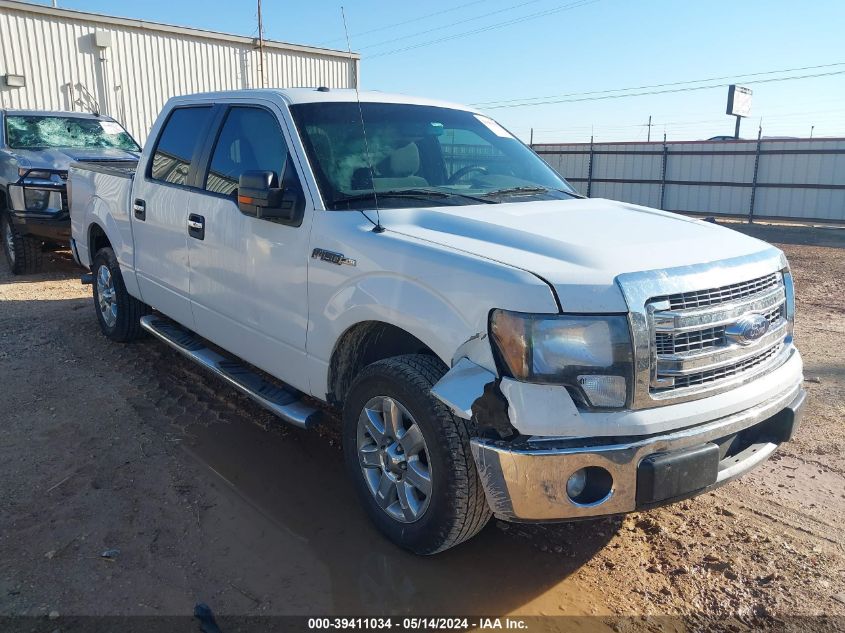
point(378, 228)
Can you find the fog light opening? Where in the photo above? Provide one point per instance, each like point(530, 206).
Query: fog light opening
point(589, 486)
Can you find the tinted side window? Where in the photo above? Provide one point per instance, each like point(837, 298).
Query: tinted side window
point(176, 143)
point(250, 140)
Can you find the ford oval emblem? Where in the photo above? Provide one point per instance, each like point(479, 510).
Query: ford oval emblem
point(748, 329)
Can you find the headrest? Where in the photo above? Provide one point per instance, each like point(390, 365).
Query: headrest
point(404, 161)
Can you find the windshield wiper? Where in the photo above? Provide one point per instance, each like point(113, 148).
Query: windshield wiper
point(516, 190)
point(419, 194)
point(416, 194)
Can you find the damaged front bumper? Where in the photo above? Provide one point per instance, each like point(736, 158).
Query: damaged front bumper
point(527, 480)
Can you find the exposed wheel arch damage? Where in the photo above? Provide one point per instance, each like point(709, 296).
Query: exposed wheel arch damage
point(470, 391)
point(363, 344)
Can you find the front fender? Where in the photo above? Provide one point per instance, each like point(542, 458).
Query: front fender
point(441, 296)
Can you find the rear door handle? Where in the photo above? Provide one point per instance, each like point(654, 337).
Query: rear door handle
point(140, 209)
point(196, 226)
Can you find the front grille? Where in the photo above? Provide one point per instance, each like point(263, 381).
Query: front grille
point(726, 371)
point(691, 348)
point(716, 296)
point(667, 344)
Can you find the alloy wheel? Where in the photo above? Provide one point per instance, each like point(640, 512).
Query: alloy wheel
point(9, 241)
point(394, 459)
point(106, 297)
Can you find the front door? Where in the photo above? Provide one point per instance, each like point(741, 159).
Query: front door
point(248, 280)
point(160, 213)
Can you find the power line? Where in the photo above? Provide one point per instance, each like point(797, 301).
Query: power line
point(417, 19)
point(464, 21)
point(657, 92)
point(531, 16)
point(673, 83)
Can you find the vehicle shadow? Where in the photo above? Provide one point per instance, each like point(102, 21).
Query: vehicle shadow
point(298, 481)
point(831, 237)
point(56, 265)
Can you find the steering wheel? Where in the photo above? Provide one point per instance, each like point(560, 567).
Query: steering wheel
point(463, 171)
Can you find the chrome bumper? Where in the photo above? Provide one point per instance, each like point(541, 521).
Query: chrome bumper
point(528, 483)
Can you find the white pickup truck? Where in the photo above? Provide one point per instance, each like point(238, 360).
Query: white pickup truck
point(497, 343)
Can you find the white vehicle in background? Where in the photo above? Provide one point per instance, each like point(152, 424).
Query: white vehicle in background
point(497, 344)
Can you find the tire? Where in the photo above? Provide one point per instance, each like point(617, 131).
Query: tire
point(119, 314)
point(456, 508)
point(23, 253)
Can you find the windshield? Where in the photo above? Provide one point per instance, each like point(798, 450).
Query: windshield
point(418, 155)
point(39, 132)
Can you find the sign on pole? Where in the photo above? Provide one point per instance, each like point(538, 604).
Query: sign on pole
point(739, 100)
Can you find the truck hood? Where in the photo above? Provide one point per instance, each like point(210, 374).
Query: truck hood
point(61, 158)
point(579, 246)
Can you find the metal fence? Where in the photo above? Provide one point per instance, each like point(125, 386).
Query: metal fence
point(802, 179)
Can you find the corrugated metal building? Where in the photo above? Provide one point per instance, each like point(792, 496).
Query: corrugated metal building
point(127, 69)
point(801, 179)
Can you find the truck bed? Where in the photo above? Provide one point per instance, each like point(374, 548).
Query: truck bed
point(122, 168)
point(100, 192)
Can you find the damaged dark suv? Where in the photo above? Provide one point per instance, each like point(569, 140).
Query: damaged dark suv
point(36, 148)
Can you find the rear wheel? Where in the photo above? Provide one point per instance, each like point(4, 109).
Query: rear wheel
point(23, 253)
point(118, 312)
point(410, 458)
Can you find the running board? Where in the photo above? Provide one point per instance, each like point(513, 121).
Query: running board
point(285, 402)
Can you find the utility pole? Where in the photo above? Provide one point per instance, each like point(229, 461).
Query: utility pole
point(812, 127)
point(648, 140)
point(531, 142)
point(260, 47)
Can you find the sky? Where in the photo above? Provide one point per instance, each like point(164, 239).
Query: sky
point(515, 53)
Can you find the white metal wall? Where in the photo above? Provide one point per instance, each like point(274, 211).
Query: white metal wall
point(796, 179)
point(145, 64)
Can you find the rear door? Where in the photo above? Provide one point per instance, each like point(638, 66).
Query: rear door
point(160, 212)
point(248, 277)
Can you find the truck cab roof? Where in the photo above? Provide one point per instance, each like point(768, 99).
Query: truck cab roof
point(294, 96)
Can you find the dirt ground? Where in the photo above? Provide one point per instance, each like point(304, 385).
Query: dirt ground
point(132, 483)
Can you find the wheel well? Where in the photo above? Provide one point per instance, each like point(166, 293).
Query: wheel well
point(3, 204)
point(97, 239)
point(364, 344)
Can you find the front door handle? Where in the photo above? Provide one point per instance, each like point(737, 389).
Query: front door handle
point(140, 209)
point(196, 226)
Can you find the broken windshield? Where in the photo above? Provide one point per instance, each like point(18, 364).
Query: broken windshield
point(39, 131)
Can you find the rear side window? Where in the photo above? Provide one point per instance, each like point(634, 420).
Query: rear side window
point(176, 143)
point(250, 140)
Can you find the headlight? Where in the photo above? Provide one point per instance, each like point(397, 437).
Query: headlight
point(43, 174)
point(36, 199)
point(591, 355)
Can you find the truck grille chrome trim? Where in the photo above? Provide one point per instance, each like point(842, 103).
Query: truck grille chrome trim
point(698, 332)
point(715, 296)
point(706, 338)
point(724, 371)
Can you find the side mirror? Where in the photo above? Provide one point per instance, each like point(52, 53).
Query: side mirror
point(259, 195)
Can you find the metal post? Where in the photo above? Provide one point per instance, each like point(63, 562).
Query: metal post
point(590, 170)
point(260, 47)
point(736, 129)
point(754, 180)
point(663, 171)
point(531, 142)
point(648, 140)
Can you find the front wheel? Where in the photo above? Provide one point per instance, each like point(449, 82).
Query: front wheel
point(23, 253)
point(410, 458)
point(118, 312)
